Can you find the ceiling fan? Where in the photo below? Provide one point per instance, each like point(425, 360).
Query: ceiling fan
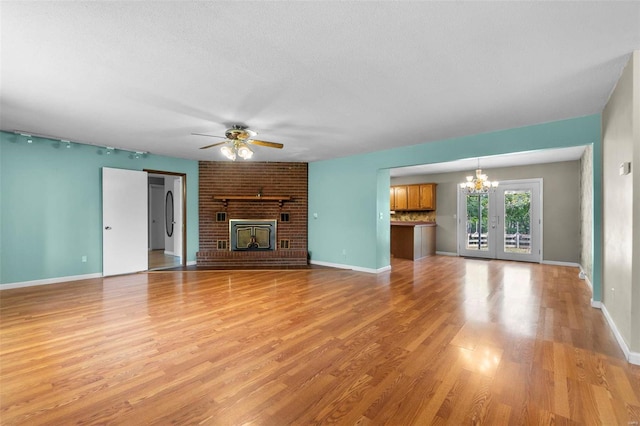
point(238, 138)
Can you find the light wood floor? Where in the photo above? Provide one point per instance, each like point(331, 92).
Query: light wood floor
point(442, 340)
point(159, 260)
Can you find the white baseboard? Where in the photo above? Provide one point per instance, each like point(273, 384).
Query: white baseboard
point(354, 268)
point(191, 262)
point(632, 357)
point(446, 253)
point(583, 276)
point(588, 281)
point(553, 262)
point(49, 281)
point(596, 304)
point(168, 252)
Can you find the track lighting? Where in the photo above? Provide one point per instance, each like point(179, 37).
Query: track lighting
point(58, 142)
point(26, 135)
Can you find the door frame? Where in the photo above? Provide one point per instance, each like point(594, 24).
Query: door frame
point(183, 206)
point(496, 223)
point(153, 207)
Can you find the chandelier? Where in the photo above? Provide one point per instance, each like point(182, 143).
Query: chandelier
point(480, 184)
point(239, 149)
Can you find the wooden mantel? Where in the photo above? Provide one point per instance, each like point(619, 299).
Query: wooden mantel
point(226, 198)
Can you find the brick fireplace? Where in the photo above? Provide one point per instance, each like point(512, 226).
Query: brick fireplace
point(258, 193)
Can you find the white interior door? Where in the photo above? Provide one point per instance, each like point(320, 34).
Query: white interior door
point(505, 223)
point(124, 221)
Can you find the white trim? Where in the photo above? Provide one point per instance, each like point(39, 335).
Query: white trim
point(596, 304)
point(191, 262)
point(49, 281)
point(632, 357)
point(553, 262)
point(446, 253)
point(169, 252)
point(583, 276)
point(355, 268)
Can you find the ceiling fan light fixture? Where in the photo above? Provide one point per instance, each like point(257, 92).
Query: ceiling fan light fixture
point(228, 152)
point(244, 151)
point(238, 141)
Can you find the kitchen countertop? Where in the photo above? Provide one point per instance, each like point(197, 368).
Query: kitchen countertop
point(412, 223)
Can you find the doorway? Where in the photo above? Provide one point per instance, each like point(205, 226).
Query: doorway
point(504, 223)
point(167, 220)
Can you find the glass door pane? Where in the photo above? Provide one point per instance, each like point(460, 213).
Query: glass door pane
point(517, 222)
point(477, 225)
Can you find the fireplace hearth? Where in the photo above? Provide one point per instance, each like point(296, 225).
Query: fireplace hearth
point(252, 235)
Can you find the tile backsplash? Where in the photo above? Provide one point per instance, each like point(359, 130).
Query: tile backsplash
point(414, 216)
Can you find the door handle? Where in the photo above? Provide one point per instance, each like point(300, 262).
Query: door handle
point(108, 228)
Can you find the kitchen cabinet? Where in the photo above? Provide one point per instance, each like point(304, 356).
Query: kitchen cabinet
point(428, 196)
point(398, 196)
point(413, 240)
point(413, 197)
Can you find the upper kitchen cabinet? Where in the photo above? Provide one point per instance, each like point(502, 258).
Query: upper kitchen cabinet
point(398, 195)
point(413, 197)
point(428, 196)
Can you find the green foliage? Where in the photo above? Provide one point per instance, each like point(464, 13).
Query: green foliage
point(477, 218)
point(517, 212)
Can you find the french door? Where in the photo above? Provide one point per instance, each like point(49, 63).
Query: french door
point(504, 223)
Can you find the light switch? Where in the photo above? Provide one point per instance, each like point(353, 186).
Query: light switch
point(625, 168)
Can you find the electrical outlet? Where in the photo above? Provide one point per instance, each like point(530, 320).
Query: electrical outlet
point(84, 259)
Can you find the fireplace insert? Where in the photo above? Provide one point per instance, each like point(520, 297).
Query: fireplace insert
point(252, 234)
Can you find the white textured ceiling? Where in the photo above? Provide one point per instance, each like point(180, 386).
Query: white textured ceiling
point(327, 79)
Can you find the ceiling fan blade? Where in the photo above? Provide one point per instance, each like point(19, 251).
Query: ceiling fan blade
point(265, 143)
point(213, 144)
point(209, 136)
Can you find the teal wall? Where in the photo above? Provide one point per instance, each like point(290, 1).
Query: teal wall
point(348, 194)
point(51, 206)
